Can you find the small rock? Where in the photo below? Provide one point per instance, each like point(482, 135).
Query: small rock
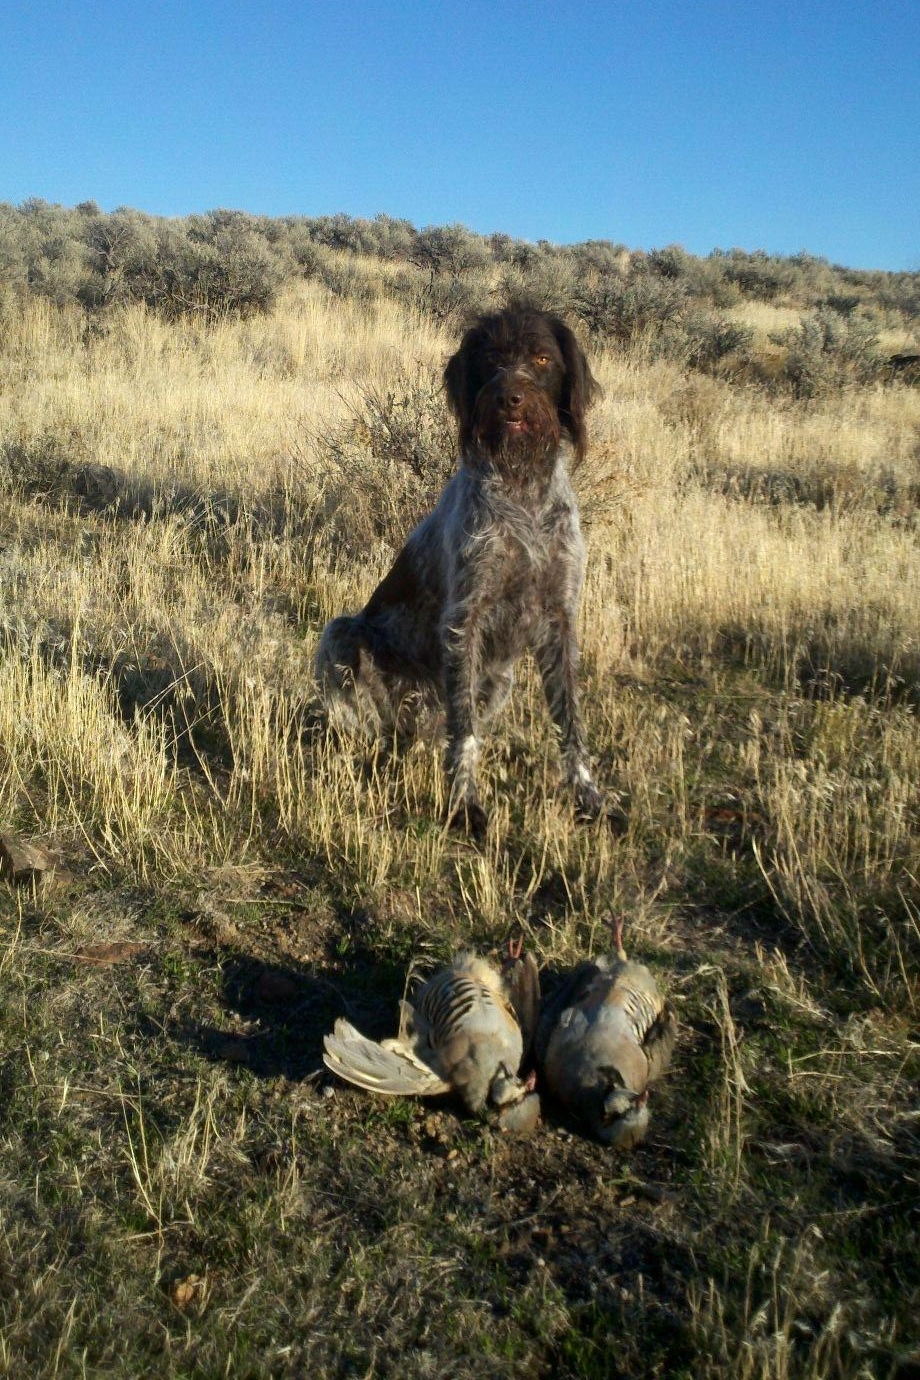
point(190, 1290)
point(22, 863)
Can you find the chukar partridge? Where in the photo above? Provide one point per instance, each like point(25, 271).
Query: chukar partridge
point(601, 1039)
point(465, 1032)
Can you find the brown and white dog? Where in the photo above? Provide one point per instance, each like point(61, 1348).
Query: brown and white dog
point(496, 568)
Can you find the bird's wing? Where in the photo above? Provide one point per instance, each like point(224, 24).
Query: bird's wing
point(569, 994)
point(651, 1018)
point(467, 1030)
point(392, 1068)
point(660, 1040)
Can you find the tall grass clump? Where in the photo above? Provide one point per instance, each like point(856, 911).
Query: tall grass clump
point(75, 769)
point(840, 864)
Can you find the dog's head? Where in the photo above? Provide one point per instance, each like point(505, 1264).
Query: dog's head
point(518, 382)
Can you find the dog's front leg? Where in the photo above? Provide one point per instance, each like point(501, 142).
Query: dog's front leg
point(462, 640)
point(557, 658)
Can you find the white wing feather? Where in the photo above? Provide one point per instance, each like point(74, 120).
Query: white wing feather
point(391, 1068)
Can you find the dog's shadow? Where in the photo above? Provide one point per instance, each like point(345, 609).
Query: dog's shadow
point(277, 1015)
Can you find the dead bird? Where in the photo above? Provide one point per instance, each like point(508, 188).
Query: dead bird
point(467, 1032)
point(601, 1039)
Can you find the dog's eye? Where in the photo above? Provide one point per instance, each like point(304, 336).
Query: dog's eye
point(541, 360)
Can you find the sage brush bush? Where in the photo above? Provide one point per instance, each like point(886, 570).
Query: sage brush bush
point(828, 351)
point(231, 273)
point(385, 466)
point(227, 263)
point(628, 309)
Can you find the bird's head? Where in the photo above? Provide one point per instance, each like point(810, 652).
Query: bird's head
point(506, 1088)
point(623, 1118)
point(515, 1101)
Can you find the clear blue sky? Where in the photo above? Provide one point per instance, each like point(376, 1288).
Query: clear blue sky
point(778, 125)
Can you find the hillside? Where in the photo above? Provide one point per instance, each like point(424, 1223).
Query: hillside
point(214, 434)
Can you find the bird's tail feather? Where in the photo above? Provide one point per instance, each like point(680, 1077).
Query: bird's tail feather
point(391, 1068)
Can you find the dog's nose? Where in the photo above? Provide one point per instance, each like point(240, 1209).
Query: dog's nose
point(512, 388)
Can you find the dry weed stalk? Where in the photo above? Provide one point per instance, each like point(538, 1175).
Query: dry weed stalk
point(776, 1337)
point(727, 1133)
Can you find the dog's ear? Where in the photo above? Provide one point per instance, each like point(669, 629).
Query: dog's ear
point(579, 387)
point(460, 385)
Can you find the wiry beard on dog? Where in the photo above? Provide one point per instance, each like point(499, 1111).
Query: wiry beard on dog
point(519, 444)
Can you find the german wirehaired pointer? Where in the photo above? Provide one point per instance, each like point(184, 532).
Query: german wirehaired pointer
point(494, 569)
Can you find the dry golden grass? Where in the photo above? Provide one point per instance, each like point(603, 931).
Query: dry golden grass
point(765, 318)
point(751, 636)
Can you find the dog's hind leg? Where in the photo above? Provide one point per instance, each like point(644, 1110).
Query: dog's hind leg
point(354, 691)
point(494, 692)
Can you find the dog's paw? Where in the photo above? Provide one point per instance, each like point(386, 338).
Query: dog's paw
point(589, 801)
point(469, 818)
point(591, 804)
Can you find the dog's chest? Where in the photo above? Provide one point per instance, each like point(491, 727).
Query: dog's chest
point(526, 567)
